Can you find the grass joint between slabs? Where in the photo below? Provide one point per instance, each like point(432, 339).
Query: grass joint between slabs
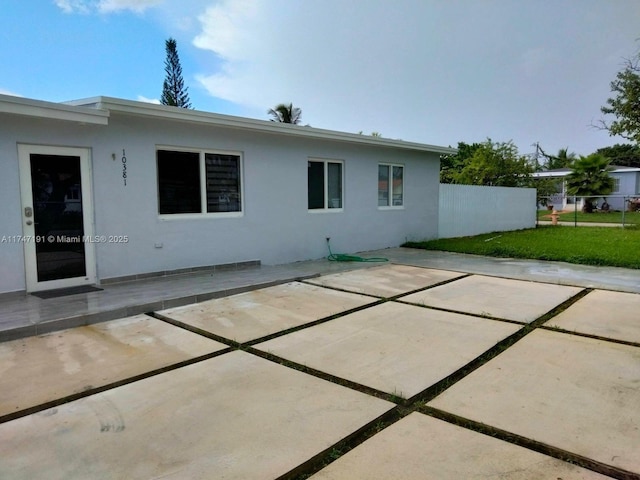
point(521, 441)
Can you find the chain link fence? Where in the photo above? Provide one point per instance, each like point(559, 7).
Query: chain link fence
point(610, 210)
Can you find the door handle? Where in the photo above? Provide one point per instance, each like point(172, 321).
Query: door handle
point(29, 222)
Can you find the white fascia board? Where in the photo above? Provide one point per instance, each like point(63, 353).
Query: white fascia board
point(550, 174)
point(624, 170)
point(130, 107)
point(564, 174)
point(53, 111)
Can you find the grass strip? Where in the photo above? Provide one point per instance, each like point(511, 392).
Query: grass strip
point(630, 218)
point(599, 246)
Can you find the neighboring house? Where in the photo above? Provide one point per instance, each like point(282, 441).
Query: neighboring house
point(106, 189)
point(626, 184)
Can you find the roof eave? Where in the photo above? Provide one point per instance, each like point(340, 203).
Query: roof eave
point(130, 107)
point(54, 111)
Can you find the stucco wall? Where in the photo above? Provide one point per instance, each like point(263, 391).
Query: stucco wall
point(276, 226)
point(628, 186)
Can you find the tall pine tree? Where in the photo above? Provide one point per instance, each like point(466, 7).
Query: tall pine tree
point(174, 92)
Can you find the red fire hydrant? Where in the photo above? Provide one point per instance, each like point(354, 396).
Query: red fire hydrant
point(554, 217)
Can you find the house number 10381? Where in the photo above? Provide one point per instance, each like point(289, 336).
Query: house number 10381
point(124, 167)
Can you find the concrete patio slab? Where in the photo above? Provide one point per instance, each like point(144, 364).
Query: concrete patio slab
point(39, 369)
point(422, 447)
point(574, 393)
point(235, 416)
point(254, 314)
point(496, 297)
point(607, 314)
point(396, 348)
point(385, 281)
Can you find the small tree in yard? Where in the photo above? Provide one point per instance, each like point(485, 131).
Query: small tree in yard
point(590, 178)
point(174, 93)
point(545, 189)
point(452, 163)
point(494, 164)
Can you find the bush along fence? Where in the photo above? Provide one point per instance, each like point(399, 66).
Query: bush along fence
point(619, 210)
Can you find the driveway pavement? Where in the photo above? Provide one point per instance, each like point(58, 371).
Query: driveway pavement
point(399, 370)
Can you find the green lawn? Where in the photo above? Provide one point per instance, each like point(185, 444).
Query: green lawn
point(618, 247)
point(630, 218)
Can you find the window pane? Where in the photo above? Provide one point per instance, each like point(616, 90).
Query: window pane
point(616, 185)
point(315, 183)
point(383, 185)
point(398, 186)
point(334, 172)
point(178, 182)
point(223, 182)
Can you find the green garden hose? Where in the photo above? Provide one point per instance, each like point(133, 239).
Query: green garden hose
point(341, 257)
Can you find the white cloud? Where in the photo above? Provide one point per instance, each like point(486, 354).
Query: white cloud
point(105, 6)
point(8, 92)
point(324, 56)
point(138, 6)
point(142, 98)
point(437, 72)
point(229, 28)
point(73, 6)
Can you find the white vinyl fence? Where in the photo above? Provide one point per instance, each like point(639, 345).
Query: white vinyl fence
point(471, 210)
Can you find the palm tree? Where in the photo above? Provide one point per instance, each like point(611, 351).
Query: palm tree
point(590, 178)
point(562, 160)
point(285, 114)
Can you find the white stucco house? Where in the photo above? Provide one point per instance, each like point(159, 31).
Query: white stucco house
point(105, 189)
point(626, 185)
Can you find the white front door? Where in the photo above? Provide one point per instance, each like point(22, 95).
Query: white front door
point(57, 216)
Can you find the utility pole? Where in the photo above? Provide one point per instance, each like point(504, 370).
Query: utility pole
point(537, 154)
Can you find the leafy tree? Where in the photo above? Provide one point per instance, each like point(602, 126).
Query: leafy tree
point(174, 92)
point(625, 155)
point(590, 178)
point(563, 159)
point(495, 164)
point(625, 105)
point(285, 114)
point(545, 189)
point(452, 163)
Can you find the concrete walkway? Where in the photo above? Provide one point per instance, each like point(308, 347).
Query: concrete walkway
point(431, 366)
point(26, 315)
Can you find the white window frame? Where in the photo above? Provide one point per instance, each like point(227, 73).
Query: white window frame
point(203, 184)
point(616, 185)
point(326, 208)
point(391, 206)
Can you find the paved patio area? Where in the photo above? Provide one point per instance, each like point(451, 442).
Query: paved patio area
point(407, 370)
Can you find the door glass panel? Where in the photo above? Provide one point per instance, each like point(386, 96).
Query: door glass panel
point(57, 200)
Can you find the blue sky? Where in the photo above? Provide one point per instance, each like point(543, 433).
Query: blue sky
point(429, 71)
